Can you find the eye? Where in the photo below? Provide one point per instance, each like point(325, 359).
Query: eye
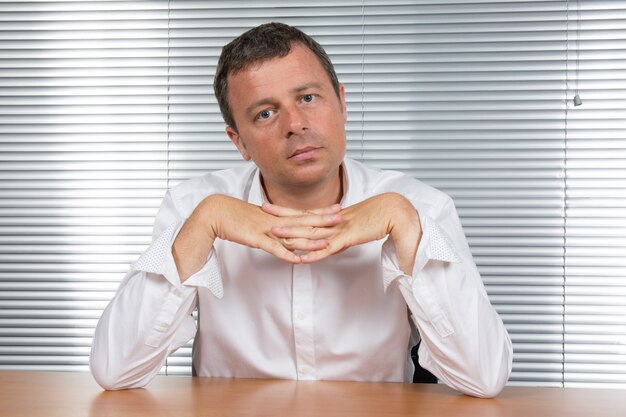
point(308, 98)
point(264, 115)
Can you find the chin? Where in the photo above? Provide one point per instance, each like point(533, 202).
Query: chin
point(309, 181)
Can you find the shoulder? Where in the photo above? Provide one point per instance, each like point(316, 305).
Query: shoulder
point(234, 182)
point(377, 181)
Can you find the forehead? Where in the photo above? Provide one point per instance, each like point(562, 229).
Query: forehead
point(301, 65)
point(298, 53)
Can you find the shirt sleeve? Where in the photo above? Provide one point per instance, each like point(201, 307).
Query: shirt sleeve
point(150, 315)
point(464, 341)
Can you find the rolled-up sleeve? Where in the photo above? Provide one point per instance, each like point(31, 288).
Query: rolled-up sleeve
point(464, 341)
point(150, 315)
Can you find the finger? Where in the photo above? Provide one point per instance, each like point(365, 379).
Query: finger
point(313, 220)
point(280, 211)
point(335, 208)
point(306, 232)
point(290, 212)
point(274, 247)
point(294, 244)
point(315, 256)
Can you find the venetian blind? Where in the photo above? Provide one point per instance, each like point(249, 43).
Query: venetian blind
point(83, 166)
point(595, 220)
point(103, 105)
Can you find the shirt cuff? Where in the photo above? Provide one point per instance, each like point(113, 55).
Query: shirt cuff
point(435, 244)
point(209, 276)
point(158, 259)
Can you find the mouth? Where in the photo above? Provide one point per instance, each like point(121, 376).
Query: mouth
point(304, 153)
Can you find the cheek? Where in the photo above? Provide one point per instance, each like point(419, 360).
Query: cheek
point(330, 119)
point(338, 127)
point(263, 150)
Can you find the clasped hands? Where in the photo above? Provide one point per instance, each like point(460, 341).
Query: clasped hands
point(306, 236)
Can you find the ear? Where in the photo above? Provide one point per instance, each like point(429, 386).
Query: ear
point(236, 139)
point(342, 102)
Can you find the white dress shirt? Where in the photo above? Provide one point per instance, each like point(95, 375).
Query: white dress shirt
point(352, 316)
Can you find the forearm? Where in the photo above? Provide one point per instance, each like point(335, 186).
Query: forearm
point(195, 240)
point(464, 342)
point(404, 230)
point(143, 324)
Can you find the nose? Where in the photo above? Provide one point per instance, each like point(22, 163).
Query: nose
point(295, 121)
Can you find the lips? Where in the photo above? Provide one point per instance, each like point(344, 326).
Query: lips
point(304, 153)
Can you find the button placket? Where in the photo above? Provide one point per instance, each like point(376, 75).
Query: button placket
point(302, 318)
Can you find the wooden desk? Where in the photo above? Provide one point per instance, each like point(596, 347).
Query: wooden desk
point(47, 394)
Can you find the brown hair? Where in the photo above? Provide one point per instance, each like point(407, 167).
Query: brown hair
point(264, 42)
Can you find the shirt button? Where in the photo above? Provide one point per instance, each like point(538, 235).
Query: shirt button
point(305, 370)
point(300, 316)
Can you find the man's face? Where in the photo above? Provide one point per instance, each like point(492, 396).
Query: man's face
point(289, 119)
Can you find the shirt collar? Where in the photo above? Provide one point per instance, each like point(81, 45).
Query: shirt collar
point(352, 184)
point(257, 195)
point(351, 193)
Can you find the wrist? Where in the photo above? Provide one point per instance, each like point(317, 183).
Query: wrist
point(399, 208)
point(404, 218)
point(194, 242)
point(206, 217)
point(406, 232)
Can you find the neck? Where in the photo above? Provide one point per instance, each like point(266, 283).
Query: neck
point(324, 194)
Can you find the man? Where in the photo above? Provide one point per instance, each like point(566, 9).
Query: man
point(305, 265)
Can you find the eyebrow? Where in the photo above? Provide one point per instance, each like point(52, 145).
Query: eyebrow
point(307, 86)
point(269, 100)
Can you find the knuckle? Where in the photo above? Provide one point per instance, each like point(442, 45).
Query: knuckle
point(274, 244)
